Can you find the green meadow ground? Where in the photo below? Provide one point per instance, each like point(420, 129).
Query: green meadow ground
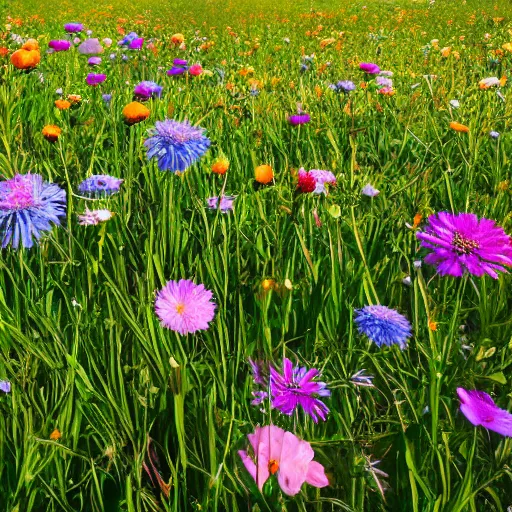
point(79, 340)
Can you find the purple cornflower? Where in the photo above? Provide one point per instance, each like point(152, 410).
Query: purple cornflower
point(95, 78)
point(5, 386)
point(100, 184)
point(73, 28)
point(146, 90)
point(361, 379)
point(226, 203)
point(176, 145)
point(298, 119)
point(90, 47)
point(480, 409)
point(343, 86)
point(184, 307)
point(107, 98)
point(464, 243)
point(94, 61)
point(174, 71)
point(370, 68)
point(28, 206)
point(296, 387)
point(128, 38)
point(370, 191)
point(384, 326)
point(60, 45)
point(136, 44)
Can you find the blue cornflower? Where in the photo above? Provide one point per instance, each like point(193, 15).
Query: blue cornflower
point(128, 38)
point(176, 145)
point(27, 207)
point(5, 386)
point(343, 86)
point(100, 184)
point(107, 98)
point(383, 325)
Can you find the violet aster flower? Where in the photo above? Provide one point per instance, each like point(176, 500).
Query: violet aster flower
point(370, 68)
point(384, 81)
point(184, 307)
point(494, 135)
point(146, 90)
point(5, 386)
point(136, 44)
point(384, 326)
point(128, 38)
point(226, 203)
point(100, 184)
point(95, 78)
point(72, 28)
point(345, 86)
point(296, 386)
point(60, 45)
point(176, 145)
point(464, 243)
point(298, 119)
point(370, 191)
point(480, 409)
point(94, 217)
point(94, 61)
point(180, 62)
point(174, 71)
point(28, 206)
point(90, 47)
point(321, 179)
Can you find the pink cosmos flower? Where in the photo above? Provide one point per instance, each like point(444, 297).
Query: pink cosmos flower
point(277, 451)
point(480, 409)
point(184, 307)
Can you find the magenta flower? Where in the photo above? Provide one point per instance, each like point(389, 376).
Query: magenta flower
point(184, 307)
point(195, 70)
point(73, 28)
point(370, 68)
point(95, 78)
point(296, 386)
point(297, 119)
point(145, 90)
point(277, 451)
point(136, 44)
point(174, 71)
point(60, 45)
point(463, 243)
point(480, 409)
point(179, 62)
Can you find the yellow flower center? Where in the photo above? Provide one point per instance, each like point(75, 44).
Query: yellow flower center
point(180, 308)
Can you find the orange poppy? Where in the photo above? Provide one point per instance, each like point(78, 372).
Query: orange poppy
point(25, 59)
point(458, 127)
point(263, 174)
point(135, 112)
point(220, 166)
point(62, 104)
point(51, 132)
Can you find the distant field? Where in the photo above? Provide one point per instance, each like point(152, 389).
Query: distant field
point(103, 408)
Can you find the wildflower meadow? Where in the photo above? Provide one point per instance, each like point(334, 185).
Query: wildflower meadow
point(255, 256)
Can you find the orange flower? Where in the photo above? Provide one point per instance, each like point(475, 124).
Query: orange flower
point(74, 98)
point(268, 284)
point(51, 132)
point(446, 51)
point(62, 104)
point(263, 174)
point(177, 38)
point(508, 47)
point(25, 59)
point(432, 325)
point(458, 127)
point(3, 51)
point(135, 112)
point(220, 166)
point(55, 435)
point(327, 42)
point(417, 220)
point(30, 45)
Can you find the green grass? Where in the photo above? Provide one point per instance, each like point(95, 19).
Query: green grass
point(79, 339)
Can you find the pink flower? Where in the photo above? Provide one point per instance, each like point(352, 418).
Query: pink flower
point(195, 69)
point(277, 451)
point(184, 307)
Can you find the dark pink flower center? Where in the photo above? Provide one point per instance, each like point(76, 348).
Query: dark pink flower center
point(19, 197)
point(463, 245)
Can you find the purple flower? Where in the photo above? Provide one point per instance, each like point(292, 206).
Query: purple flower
point(107, 98)
point(321, 178)
point(226, 203)
point(94, 217)
point(463, 243)
point(94, 61)
point(136, 44)
point(5, 386)
point(100, 184)
point(361, 379)
point(384, 326)
point(174, 71)
point(146, 90)
point(184, 307)
point(72, 28)
point(95, 78)
point(180, 62)
point(176, 145)
point(370, 191)
point(298, 119)
point(343, 86)
point(383, 81)
point(494, 135)
point(90, 47)
point(260, 375)
point(370, 68)
point(107, 42)
point(128, 38)
point(60, 45)
point(28, 206)
point(480, 409)
point(296, 386)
